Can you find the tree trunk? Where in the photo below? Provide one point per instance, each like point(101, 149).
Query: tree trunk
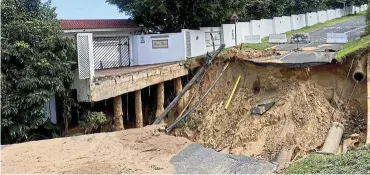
point(178, 86)
point(160, 99)
point(118, 113)
point(138, 109)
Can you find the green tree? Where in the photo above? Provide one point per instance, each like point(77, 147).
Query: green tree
point(174, 15)
point(36, 63)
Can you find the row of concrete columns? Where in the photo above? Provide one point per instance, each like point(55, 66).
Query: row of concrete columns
point(117, 105)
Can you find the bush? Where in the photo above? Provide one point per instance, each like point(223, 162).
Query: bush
point(92, 121)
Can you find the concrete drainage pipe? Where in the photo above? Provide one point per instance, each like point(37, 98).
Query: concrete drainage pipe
point(359, 74)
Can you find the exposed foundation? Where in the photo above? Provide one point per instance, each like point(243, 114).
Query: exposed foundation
point(118, 113)
point(178, 88)
point(160, 99)
point(138, 109)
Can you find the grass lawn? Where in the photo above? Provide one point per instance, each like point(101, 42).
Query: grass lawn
point(319, 26)
point(353, 46)
point(352, 162)
point(260, 46)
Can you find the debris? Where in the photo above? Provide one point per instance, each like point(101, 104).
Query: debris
point(284, 157)
point(262, 108)
point(350, 143)
point(333, 139)
point(232, 93)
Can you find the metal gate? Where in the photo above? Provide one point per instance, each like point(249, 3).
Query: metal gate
point(111, 52)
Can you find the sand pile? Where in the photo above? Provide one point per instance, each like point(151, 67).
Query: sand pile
point(299, 120)
point(143, 150)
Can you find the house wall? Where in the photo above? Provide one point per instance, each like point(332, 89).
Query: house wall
point(50, 109)
point(145, 53)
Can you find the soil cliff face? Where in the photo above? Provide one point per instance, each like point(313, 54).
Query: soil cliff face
point(305, 99)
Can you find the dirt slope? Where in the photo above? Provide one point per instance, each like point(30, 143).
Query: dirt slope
point(304, 101)
point(142, 150)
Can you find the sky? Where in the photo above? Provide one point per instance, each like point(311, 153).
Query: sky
point(86, 9)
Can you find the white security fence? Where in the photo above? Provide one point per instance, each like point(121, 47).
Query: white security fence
point(96, 53)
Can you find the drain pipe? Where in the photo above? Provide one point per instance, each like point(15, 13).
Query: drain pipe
point(359, 73)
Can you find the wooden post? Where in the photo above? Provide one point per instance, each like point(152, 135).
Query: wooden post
point(160, 99)
point(138, 109)
point(118, 114)
point(178, 87)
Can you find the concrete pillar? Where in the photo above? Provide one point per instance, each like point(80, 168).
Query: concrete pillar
point(160, 99)
point(138, 109)
point(178, 88)
point(368, 99)
point(118, 113)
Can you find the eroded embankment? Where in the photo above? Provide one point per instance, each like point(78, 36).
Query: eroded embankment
point(305, 99)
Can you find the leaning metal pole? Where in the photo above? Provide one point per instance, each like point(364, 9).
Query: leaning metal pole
point(190, 84)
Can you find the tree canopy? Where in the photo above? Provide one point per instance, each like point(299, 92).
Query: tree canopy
point(173, 15)
point(36, 63)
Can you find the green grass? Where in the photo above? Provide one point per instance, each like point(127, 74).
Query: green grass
point(260, 46)
point(353, 46)
point(319, 26)
point(353, 162)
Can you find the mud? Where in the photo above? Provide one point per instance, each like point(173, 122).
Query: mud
point(305, 99)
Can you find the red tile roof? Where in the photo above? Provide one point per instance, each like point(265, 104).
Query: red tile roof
point(97, 24)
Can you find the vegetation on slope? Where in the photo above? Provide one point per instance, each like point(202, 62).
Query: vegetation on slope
point(352, 162)
point(354, 46)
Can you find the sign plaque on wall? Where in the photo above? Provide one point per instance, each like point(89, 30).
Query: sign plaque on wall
point(159, 44)
point(142, 39)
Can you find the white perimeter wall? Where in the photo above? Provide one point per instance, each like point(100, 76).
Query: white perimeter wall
point(311, 18)
point(295, 22)
point(263, 27)
point(286, 23)
point(330, 14)
point(302, 20)
point(144, 53)
point(216, 32)
point(268, 26)
point(338, 13)
point(228, 33)
point(242, 30)
point(197, 43)
point(322, 16)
